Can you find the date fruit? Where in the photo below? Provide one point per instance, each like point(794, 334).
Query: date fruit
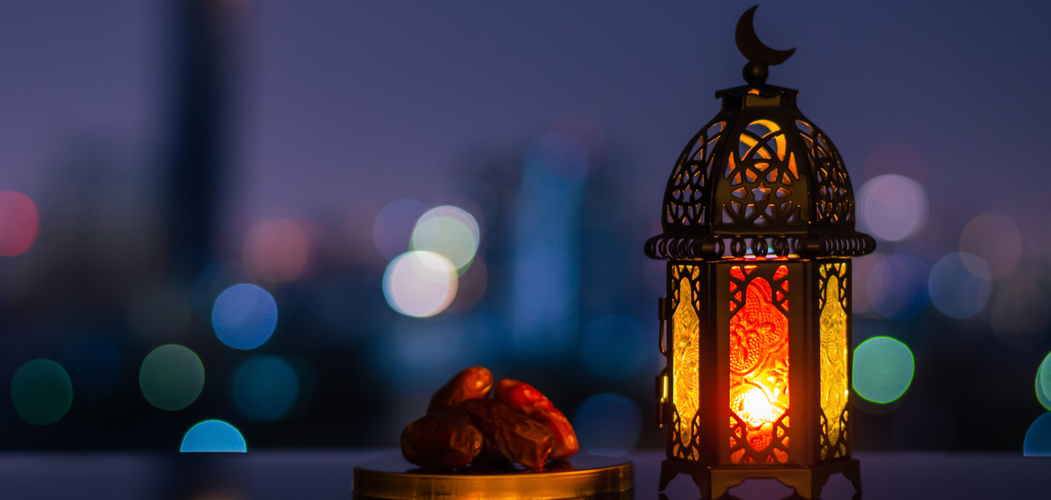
point(509, 433)
point(441, 439)
point(474, 382)
point(526, 399)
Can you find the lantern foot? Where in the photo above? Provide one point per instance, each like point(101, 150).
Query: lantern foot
point(715, 481)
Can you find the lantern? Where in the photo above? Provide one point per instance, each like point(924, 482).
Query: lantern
point(758, 232)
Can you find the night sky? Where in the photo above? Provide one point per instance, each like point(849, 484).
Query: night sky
point(342, 101)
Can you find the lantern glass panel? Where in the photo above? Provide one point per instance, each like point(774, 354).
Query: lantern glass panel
point(835, 386)
point(759, 365)
point(686, 349)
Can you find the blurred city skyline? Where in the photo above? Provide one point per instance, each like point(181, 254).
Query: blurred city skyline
point(552, 127)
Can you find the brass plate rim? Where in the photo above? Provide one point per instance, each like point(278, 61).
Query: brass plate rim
point(551, 485)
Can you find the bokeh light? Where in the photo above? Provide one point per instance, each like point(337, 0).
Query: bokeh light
point(883, 369)
point(420, 283)
point(1038, 438)
point(171, 377)
point(960, 284)
point(265, 388)
point(392, 230)
point(996, 240)
point(1043, 383)
point(608, 424)
point(94, 366)
point(1020, 314)
point(41, 391)
point(213, 436)
point(892, 207)
point(244, 316)
point(614, 347)
point(19, 222)
point(897, 286)
point(276, 250)
point(447, 231)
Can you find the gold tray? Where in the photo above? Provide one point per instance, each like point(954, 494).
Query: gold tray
point(582, 476)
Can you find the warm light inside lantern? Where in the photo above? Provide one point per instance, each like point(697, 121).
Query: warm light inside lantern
point(759, 366)
point(756, 408)
point(763, 129)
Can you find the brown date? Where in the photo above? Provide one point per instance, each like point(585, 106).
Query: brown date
point(523, 397)
point(509, 433)
point(474, 382)
point(441, 439)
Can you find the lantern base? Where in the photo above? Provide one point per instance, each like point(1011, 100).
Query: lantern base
point(715, 481)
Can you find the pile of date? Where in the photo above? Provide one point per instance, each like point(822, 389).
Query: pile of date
point(465, 425)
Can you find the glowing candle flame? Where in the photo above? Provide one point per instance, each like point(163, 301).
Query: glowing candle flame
point(757, 408)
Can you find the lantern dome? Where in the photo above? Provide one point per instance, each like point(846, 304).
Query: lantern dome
point(759, 180)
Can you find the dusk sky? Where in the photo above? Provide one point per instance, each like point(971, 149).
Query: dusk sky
point(337, 102)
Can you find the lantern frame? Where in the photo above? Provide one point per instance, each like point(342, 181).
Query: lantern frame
point(711, 467)
point(758, 224)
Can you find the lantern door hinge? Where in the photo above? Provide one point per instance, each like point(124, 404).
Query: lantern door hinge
point(663, 405)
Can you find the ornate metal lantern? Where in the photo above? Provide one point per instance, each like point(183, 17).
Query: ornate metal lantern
point(758, 232)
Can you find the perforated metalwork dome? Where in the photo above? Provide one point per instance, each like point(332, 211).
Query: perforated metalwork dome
point(759, 180)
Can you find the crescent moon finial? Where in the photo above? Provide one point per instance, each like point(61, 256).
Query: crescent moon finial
point(758, 54)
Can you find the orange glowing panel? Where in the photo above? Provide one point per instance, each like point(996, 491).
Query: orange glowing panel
point(782, 271)
point(758, 372)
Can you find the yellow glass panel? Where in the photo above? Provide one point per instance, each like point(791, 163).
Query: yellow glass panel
point(834, 387)
point(759, 365)
point(686, 333)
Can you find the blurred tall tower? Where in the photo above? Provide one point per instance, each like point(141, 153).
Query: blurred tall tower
point(196, 157)
point(199, 129)
point(546, 293)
